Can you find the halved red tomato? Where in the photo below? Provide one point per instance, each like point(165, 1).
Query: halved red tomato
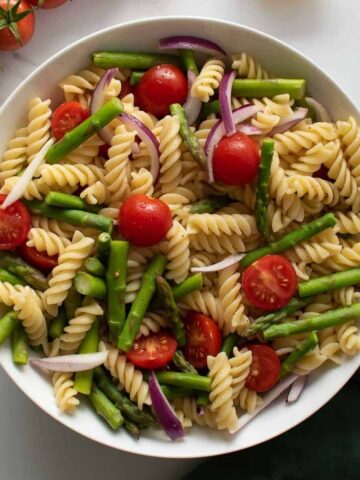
point(67, 116)
point(14, 224)
point(264, 369)
point(153, 351)
point(42, 261)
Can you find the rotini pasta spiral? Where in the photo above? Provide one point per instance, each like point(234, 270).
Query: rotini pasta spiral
point(84, 154)
point(346, 296)
point(240, 369)
point(190, 409)
point(15, 156)
point(314, 189)
point(152, 323)
point(317, 250)
point(95, 194)
point(221, 225)
point(142, 183)
point(62, 229)
point(208, 80)
point(247, 67)
point(34, 189)
point(312, 159)
point(248, 400)
point(350, 137)
point(58, 176)
point(205, 302)
point(65, 393)
point(44, 241)
point(348, 223)
point(177, 253)
point(133, 282)
point(169, 146)
point(272, 111)
point(8, 291)
point(217, 244)
point(38, 127)
point(348, 338)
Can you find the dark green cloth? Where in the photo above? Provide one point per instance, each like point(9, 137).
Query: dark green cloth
point(324, 447)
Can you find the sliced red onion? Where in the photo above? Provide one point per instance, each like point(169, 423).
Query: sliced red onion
point(248, 129)
point(164, 411)
point(71, 363)
point(216, 267)
point(18, 190)
point(192, 105)
point(148, 138)
point(289, 122)
point(97, 101)
point(225, 102)
point(272, 395)
point(218, 131)
point(296, 389)
point(284, 351)
point(322, 115)
point(187, 42)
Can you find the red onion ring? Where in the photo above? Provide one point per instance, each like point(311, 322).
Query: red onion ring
point(287, 123)
point(248, 129)
point(192, 105)
point(187, 42)
point(71, 363)
point(216, 267)
point(296, 389)
point(322, 115)
point(225, 102)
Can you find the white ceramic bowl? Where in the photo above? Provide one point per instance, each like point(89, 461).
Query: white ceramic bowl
point(143, 35)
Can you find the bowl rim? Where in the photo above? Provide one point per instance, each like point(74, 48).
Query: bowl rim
point(144, 21)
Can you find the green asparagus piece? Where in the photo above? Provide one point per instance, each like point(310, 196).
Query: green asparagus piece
point(20, 346)
point(116, 283)
point(65, 200)
point(264, 322)
point(132, 429)
point(84, 131)
point(176, 392)
point(318, 322)
point(190, 140)
point(189, 62)
point(103, 247)
point(95, 267)
point(252, 88)
point(56, 327)
point(289, 363)
point(329, 282)
point(23, 270)
point(210, 108)
point(210, 204)
point(140, 305)
point(202, 399)
point(105, 408)
point(130, 411)
point(189, 285)
point(289, 240)
point(75, 217)
point(8, 323)
point(229, 343)
point(72, 302)
point(182, 364)
point(83, 380)
point(90, 286)
point(185, 380)
point(8, 277)
point(262, 189)
point(132, 60)
point(169, 305)
point(135, 77)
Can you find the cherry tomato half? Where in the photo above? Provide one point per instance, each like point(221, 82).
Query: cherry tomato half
point(236, 160)
point(269, 283)
point(264, 369)
point(144, 221)
point(42, 261)
point(153, 351)
point(67, 116)
point(159, 87)
point(25, 26)
point(126, 88)
point(14, 225)
point(48, 3)
point(203, 338)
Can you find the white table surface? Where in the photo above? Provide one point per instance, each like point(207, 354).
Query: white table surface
point(32, 445)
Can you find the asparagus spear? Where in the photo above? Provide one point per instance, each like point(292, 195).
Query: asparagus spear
point(132, 60)
point(301, 350)
point(189, 285)
point(75, 217)
point(130, 411)
point(103, 247)
point(105, 408)
point(210, 108)
point(65, 200)
point(135, 77)
point(329, 282)
point(189, 62)
point(289, 240)
point(116, 284)
point(185, 380)
point(262, 323)
point(26, 272)
point(210, 204)
point(141, 302)
point(188, 136)
point(95, 267)
point(318, 322)
point(132, 429)
point(171, 308)
point(175, 392)
point(57, 326)
point(90, 286)
point(8, 277)
point(229, 343)
point(8, 323)
point(252, 88)
point(262, 189)
point(72, 302)
point(84, 131)
point(83, 380)
point(182, 364)
point(202, 398)
point(20, 346)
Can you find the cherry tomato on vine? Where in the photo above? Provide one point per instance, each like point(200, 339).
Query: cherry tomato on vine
point(14, 224)
point(153, 351)
point(40, 260)
point(160, 87)
point(270, 282)
point(16, 30)
point(264, 369)
point(236, 160)
point(144, 221)
point(67, 116)
point(203, 338)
